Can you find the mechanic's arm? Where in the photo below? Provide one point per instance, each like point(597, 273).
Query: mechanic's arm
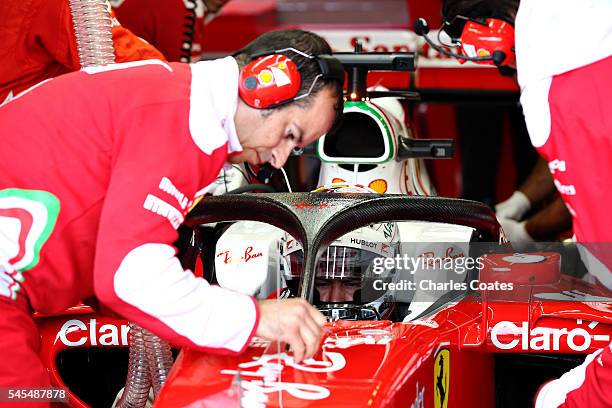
point(136, 272)
point(539, 185)
point(550, 222)
point(157, 170)
point(535, 189)
point(138, 276)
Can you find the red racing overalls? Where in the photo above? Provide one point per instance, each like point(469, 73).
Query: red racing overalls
point(94, 185)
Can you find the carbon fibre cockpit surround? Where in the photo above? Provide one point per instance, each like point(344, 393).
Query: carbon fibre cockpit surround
point(317, 219)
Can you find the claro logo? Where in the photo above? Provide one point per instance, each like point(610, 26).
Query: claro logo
point(76, 333)
point(506, 335)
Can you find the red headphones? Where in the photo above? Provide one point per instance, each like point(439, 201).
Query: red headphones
point(274, 79)
point(487, 41)
point(488, 37)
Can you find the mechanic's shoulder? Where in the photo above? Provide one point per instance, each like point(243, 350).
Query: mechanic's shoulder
point(151, 82)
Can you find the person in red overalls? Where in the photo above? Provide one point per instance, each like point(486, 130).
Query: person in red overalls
point(565, 76)
point(101, 166)
point(38, 43)
point(175, 27)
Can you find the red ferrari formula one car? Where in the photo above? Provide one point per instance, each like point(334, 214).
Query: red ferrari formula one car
point(481, 335)
point(488, 337)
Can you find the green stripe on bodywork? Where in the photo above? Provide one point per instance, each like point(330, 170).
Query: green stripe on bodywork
point(366, 107)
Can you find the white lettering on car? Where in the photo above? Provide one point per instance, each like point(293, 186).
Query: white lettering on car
point(543, 338)
point(365, 337)
point(106, 335)
point(419, 399)
point(269, 369)
point(68, 327)
point(363, 243)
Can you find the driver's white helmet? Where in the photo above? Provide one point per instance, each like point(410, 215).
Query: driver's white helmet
point(353, 256)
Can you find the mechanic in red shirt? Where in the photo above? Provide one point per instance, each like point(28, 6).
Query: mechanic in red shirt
point(564, 64)
point(94, 185)
point(38, 42)
point(175, 27)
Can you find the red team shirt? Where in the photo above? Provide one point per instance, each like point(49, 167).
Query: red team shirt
point(95, 184)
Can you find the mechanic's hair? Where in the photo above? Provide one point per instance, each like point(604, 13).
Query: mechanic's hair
point(305, 41)
point(501, 9)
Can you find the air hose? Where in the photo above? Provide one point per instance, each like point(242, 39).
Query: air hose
point(159, 359)
point(138, 382)
point(150, 362)
point(150, 358)
point(93, 25)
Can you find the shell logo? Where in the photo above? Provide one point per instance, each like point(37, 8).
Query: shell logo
point(483, 53)
point(338, 180)
point(265, 77)
point(378, 185)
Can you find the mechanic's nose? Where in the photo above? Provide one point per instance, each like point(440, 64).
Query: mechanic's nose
point(280, 154)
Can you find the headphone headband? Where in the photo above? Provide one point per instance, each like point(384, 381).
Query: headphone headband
point(330, 67)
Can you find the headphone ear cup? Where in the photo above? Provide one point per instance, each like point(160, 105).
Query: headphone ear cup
point(269, 81)
point(490, 38)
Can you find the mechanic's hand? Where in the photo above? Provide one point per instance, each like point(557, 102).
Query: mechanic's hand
point(515, 231)
point(293, 321)
point(513, 208)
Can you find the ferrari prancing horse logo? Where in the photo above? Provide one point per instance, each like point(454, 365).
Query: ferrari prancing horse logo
point(441, 378)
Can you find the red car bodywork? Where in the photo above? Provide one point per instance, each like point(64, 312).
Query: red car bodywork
point(445, 359)
point(398, 364)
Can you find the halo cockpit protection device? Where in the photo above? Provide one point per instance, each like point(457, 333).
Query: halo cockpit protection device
point(316, 220)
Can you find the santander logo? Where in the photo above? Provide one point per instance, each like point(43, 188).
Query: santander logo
point(76, 333)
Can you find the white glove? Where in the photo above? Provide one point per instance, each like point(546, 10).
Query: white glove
point(228, 180)
point(513, 208)
point(515, 231)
